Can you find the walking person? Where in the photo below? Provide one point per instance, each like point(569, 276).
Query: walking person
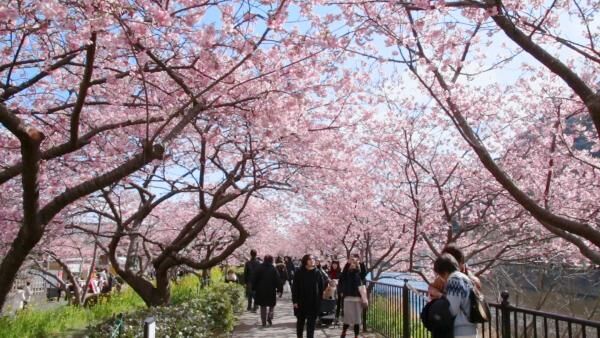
point(28, 293)
point(19, 299)
point(249, 271)
point(456, 290)
point(307, 290)
point(282, 271)
point(335, 272)
point(291, 269)
point(350, 281)
point(266, 284)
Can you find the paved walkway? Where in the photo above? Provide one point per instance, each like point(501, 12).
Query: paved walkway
point(284, 325)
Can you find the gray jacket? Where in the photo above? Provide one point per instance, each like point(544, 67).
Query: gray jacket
point(457, 292)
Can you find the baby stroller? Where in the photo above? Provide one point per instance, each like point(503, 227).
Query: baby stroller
point(327, 313)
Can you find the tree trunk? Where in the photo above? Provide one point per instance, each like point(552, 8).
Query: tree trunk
point(34, 221)
point(15, 257)
point(162, 293)
point(205, 277)
point(152, 296)
point(131, 252)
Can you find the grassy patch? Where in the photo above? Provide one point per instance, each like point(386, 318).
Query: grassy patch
point(385, 316)
point(72, 320)
point(31, 323)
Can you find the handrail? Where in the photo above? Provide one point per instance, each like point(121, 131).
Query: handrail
point(549, 315)
point(395, 285)
point(398, 316)
point(117, 330)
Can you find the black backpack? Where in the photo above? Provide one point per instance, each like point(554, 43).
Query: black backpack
point(436, 316)
point(480, 310)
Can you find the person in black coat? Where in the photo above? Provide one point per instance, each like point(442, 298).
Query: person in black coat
point(249, 273)
point(307, 290)
point(281, 269)
point(350, 281)
point(266, 283)
point(291, 269)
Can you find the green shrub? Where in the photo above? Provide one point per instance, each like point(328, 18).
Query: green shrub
point(210, 312)
point(217, 274)
point(222, 302)
point(185, 289)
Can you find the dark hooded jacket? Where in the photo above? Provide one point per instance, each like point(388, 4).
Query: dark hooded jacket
point(291, 270)
point(266, 283)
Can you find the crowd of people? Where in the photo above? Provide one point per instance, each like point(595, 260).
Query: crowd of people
point(101, 281)
point(311, 283)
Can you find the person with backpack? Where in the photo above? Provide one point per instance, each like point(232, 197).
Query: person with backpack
point(457, 290)
point(249, 270)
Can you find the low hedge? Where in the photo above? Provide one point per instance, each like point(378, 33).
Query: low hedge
point(210, 312)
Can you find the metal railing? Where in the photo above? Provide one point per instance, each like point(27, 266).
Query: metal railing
point(391, 316)
point(38, 286)
point(117, 328)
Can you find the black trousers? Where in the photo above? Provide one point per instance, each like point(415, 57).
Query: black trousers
point(251, 301)
point(356, 330)
point(339, 308)
point(310, 325)
point(264, 315)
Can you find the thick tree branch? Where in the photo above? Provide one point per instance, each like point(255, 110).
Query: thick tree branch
point(83, 89)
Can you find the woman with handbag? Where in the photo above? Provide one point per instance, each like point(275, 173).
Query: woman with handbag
point(350, 285)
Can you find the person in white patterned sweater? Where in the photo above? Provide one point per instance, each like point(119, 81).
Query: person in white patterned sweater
point(456, 290)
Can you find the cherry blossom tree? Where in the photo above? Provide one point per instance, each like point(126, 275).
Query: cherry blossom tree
point(408, 195)
point(197, 221)
point(437, 191)
point(88, 101)
point(455, 49)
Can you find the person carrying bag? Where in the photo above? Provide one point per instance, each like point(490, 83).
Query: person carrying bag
point(351, 285)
